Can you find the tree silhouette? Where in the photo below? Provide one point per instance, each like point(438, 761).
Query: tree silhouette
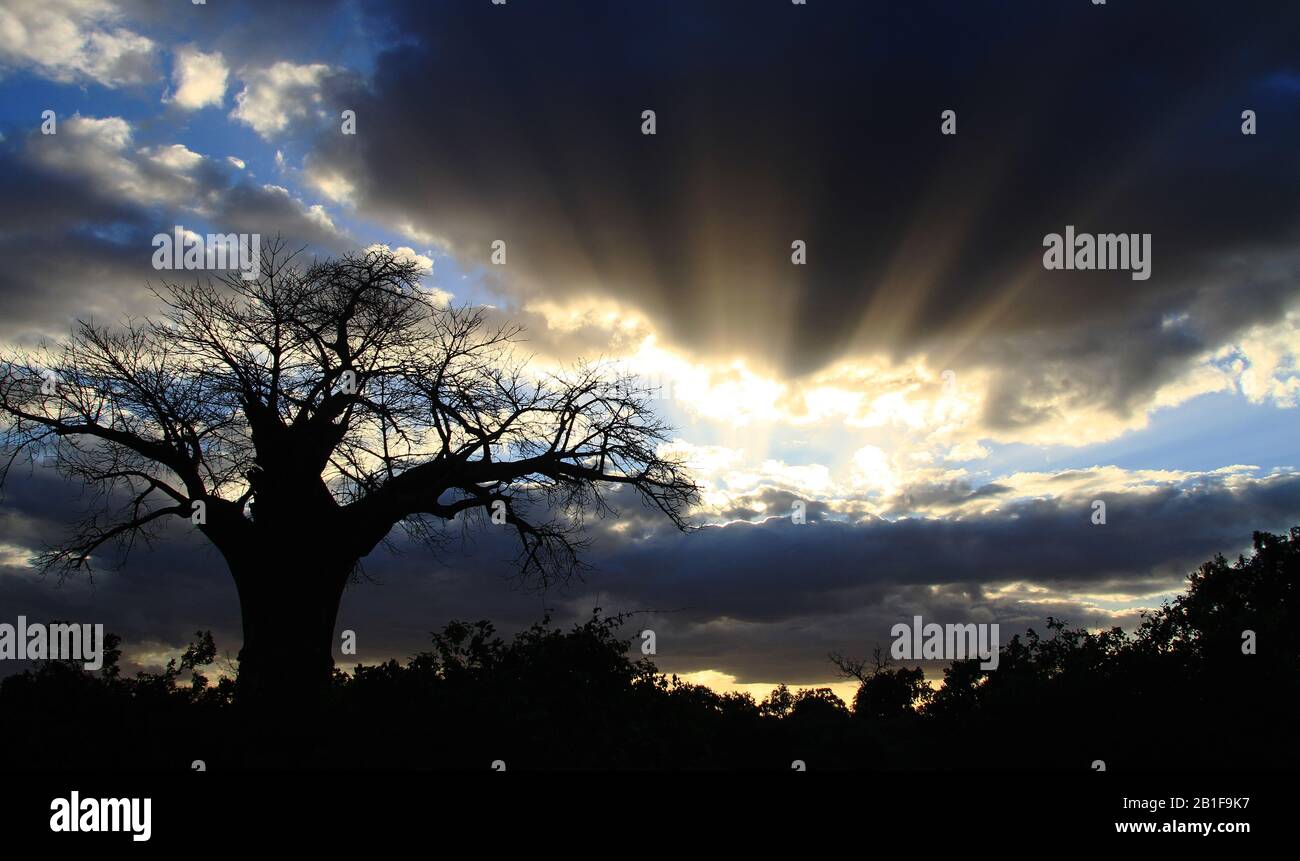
point(296, 419)
point(883, 693)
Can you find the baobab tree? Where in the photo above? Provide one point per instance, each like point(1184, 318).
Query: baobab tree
point(297, 419)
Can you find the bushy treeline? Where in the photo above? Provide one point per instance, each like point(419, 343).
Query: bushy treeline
point(1179, 693)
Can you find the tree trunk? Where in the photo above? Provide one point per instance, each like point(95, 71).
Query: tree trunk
point(289, 606)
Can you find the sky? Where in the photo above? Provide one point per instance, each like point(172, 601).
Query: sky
point(946, 409)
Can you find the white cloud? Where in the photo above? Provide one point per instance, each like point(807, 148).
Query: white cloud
point(730, 476)
point(331, 183)
point(317, 213)
point(871, 471)
point(177, 157)
point(402, 253)
point(274, 97)
point(15, 556)
point(112, 133)
point(1266, 362)
point(99, 151)
point(967, 451)
point(73, 40)
point(198, 79)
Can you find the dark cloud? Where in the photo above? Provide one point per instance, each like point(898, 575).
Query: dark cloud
point(763, 601)
point(40, 200)
point(258, 33)
point(772, 499)
point(822, 123)
point(75, 249)
point(167, 591)
point(941, 496)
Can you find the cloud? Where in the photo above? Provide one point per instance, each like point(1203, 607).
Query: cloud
point(777, 596)
point(100, 152)
point(433, 294)
point(1266, 362)
point(333, 184)
point(79, 209)
point(1069, 395)
point(404, 253)
point(763, 602)
point(274, 97)
point(923, 251)
point(72, 41)
point(177, 157)
point(198, 79)
point(181, 580)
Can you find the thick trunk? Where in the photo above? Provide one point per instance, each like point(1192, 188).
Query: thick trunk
point(290, 562)
point(289, 607)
